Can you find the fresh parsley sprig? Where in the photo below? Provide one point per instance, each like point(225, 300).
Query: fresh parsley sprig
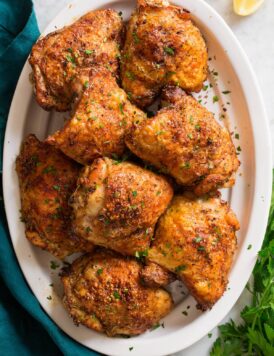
point(255, 335)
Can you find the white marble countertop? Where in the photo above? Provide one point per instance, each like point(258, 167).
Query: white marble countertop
point(255, 33)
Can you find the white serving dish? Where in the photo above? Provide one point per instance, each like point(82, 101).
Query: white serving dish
point(249, 198)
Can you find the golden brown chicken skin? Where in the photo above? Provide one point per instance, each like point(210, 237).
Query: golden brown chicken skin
point(104, 292)
point(196, 239)
point(162, 46)
point(116, 205)
point(185, 141)
point(100, 121)
point(58, 58)
point(153, 275)
point(47, 179)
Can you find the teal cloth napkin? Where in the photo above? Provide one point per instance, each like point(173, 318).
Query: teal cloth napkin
point(24, 326)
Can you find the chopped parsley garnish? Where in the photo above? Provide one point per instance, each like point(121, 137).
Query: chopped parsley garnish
point(134, 193)
point(237, 136)
point(186, 165)
point(184, 312)
point(130, 75)
point(239, 149)
point(57, 187)
point(130, 348)
point(197, 127)
point(121, 108)
point(49, 169)
point(180, 268)
point(249, 247)
point(116, 295)
point(205, 87)
point(201, 248)
point(141, 254)
point(197, 239)
point(169, 74)
point(49, 297)
point(70, 59)
point(226, 92)
point(209, 335)
point(158, 192)
point(215, 98)
point(86, 84)
point(160, 132)
point(88, 51)
point(169, 51)
point(99, 271)
point(136, 39)
point(88, 229)
point(155, 326)
point(54, 265)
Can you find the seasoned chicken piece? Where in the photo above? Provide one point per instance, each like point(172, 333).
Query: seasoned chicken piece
point(196, 239)
point(100, 121)
point(117, 205)
point(58, 58)
point(156, 276)
point(162, 46)
point(47, 178)
point(185, 141)
point(104, 292)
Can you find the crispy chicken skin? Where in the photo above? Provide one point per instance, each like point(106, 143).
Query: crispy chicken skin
point(47, 178)
point(103, 291)
point(116, 205)
point(156, 276)
point(162, 46)
point(58, 58)
point(196, 239)
point(99, 123)
point(185, 141)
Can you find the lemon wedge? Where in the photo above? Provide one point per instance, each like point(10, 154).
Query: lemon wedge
point(246, 7)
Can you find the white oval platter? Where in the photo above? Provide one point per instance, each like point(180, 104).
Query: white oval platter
point(250, 197)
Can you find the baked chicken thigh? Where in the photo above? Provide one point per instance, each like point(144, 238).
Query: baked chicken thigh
point(47, 178)
point(116, 205)
point(195, 239)
point(162, 46)
point(58, 58)
point(100, 120)
point(103, 291)
point(185, 141)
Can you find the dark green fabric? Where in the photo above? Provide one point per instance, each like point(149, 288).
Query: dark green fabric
point(24, 326)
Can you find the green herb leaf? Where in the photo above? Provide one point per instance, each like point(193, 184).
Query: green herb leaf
point(155, 326)
point(169, 51)
point(180, 268)
point(99, 271)
point(136, 39)
point(215, 98)
point(88, 51)
point(130, 75)
point(54, 265)
point(116, 295)
point(141, 254)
